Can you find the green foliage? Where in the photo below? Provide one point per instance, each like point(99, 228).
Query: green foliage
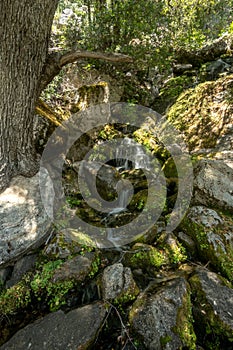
point(16, 297)
point(148, 30)
point(43, 285)
point(95, 266)
point(73, 202)
point(164, 340)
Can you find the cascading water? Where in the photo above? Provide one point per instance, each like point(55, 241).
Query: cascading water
point(129, 149)
point(128, 155)
point(129, 152)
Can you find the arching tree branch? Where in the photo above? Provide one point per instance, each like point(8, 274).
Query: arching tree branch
point(111, 57)
point(56, 61)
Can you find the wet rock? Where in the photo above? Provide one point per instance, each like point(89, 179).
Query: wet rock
point(22, 266)
point(213, 308)
point(162, 317)
point(77, 268)
point(24, 223)
point(213, 235)
point(213, 184)
point(118, 284)
point(104, 177)
point(58, 331)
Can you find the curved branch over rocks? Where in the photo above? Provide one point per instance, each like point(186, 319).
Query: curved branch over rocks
point(56, 61)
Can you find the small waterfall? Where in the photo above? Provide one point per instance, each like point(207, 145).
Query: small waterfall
point(128, 151)
point(123, 201)
point(111, 238)
point(128, 155)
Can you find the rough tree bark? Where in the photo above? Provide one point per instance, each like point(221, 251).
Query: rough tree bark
point(26, 68)
point(25, 30)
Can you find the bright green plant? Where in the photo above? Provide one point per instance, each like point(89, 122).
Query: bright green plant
point(43, 285)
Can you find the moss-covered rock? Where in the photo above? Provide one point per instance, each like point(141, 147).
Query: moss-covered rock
point(213, 237)
point(146, 257)
point(170, 91)
point(204, 113)
point(163, 316)
point(50, 282)
point(213, 309)
point(66, 244)
point(91, 95)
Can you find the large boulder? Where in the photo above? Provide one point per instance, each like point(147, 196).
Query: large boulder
point(58, 331)
point(162, 317)
point(213, 184)
point(213, 236)
point(24, 223)
point(204, 115)
point(213, 309)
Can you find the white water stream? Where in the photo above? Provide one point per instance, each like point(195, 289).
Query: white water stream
point(129, 152)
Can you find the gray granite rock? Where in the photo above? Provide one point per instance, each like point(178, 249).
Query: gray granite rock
point(213, 306)
point(162, 317)
point(213, 184)
point(24, 223)
point(59, 331)
point(205, 216)
point(213, 235)
point(118, 283)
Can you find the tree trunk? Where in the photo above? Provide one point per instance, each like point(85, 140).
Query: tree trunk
point(25, 30)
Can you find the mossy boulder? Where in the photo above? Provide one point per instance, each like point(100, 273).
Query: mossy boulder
point(168, 252)
point(204, 113)
point(90, 95)
point(146, 257)
point(67, 243)
point(170, 91)
point(213, 236)
point(213, 309)
point(162, 317)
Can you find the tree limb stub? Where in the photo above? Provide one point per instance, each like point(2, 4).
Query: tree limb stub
point(55, 62)
point(44, 110)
